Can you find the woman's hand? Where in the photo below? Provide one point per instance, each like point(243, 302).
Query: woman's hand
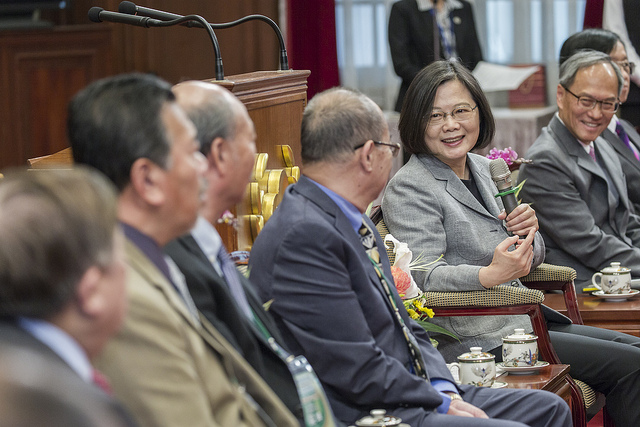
point(521, 220)
point(509, 265)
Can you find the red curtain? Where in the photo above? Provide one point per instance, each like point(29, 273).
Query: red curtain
point(593, 14)
point(311, 42)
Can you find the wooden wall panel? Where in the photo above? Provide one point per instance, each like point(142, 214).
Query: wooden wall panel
point(41, 71)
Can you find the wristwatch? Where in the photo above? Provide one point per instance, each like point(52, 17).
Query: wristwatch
point(454, 396)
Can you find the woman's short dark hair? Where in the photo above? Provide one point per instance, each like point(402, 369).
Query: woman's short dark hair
point(421, 95)
point(593, 38)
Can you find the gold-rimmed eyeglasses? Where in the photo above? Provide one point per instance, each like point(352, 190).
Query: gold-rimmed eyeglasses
point(589, 103)
point(394, 146)
point(460, 114)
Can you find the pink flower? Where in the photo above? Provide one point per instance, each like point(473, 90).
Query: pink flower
point(508, 154)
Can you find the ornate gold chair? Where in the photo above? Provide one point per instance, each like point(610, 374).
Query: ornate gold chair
point(508, 300)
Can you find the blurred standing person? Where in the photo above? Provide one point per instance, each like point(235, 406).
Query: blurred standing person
point(423, 31)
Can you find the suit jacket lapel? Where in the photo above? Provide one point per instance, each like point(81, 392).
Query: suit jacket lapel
point(139, 262)
point(455, 187)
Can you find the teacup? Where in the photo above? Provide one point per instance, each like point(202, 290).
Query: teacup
point(520, 349)
point(613, 279)
point(476, 368)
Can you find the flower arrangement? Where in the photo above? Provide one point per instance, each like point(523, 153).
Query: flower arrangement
point(509, 155)
point(229, 219)
point(411, 295)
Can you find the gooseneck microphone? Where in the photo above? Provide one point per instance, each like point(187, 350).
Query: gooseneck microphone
point(127, 7)
point(501, 175)
point(98, 14)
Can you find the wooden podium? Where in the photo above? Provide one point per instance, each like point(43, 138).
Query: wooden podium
point(275, 101)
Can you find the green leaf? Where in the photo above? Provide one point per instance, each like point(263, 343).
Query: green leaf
point(431, 327)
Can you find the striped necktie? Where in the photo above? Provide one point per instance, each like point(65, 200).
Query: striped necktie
point(625, 138)
point(368, 241)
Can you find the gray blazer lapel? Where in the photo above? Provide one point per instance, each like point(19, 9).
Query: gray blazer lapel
point(453, 185)
point(571, 146)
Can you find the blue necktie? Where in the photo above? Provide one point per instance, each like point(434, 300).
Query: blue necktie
point(233, 281)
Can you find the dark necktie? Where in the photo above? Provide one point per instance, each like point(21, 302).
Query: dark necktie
point(625, 138)
point(368, 241)
point(233, 282)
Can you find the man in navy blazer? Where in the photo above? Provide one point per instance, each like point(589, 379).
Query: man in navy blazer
point(416, 41)
point(63, 289)
point(332, 306)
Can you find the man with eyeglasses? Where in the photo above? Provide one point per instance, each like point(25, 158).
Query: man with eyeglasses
point(621, 134)
point(319, 262)
point(576, 183)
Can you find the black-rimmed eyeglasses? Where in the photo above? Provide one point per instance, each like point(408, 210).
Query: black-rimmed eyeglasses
point(628, 66)
point(589, 103)
point(394, 146)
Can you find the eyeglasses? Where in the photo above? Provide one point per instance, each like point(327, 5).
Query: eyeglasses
point(460, 114)
point(628, 66)
point(394, 146)
point(589, 103)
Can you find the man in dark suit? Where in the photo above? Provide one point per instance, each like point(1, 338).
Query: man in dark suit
point(227, 139)
point(333, 297)
point(63, 286)
point(423, 31)
point(619, 133)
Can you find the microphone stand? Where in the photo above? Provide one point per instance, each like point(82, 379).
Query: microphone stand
point(132, 9)
point(219, 69)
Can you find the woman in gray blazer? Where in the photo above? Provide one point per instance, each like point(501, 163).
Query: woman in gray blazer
point(442, 203)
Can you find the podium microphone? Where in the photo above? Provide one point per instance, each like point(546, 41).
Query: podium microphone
point(98, 14)
point(501, 175)
point(127, 7)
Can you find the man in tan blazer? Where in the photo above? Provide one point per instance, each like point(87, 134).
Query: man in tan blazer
point(168, 364)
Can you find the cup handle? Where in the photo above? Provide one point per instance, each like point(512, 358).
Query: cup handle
point(593, 279)
point(455, 365)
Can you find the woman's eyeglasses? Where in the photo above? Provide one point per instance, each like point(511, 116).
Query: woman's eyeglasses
point(460, 114)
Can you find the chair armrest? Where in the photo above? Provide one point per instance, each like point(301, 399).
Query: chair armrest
point(548, 277)
point(550, 273)
point(497, 296)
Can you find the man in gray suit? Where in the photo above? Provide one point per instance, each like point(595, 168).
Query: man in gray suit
point(621, 134)
point(576, 183)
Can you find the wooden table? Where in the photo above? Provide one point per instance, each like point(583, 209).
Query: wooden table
point(552, 378)
point(621, 316)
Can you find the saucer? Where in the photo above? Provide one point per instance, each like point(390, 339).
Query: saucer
point(615, 297)
point(522, 370)
point(498, 384)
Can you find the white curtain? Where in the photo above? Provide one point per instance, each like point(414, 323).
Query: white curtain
point(510, 32)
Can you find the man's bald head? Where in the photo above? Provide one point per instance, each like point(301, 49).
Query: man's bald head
point(213, 110)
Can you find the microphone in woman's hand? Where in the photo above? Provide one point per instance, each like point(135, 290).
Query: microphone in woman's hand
point(501, 175)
